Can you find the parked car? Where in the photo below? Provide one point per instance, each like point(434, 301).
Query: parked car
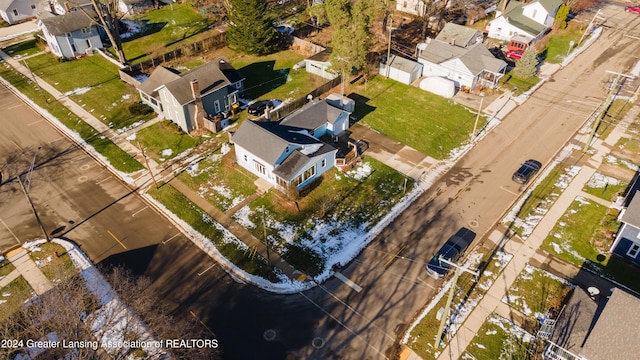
point(526, 171)
point(452, 250)
point(514, 54)
point(632, 8)
point(258, 107)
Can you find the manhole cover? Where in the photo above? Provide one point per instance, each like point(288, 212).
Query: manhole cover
point(473, 223)
point(269, 335)
point(317, 343)
point(82, 178)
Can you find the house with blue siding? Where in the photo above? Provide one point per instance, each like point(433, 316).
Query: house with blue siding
point(627, 242)
point(189, 98)
point(72, 34)
point(290, 152)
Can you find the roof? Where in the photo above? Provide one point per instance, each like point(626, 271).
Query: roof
point(4, 4)
point(160, 76)
point(298, 160)
point(513, 14)
point(403, 64)
point(211, 77)
point(313, 115)
point(69, 22)
point(322, 56)
point(631, 215)
point(599, 331)
point(461, 34)
point(476, 57)
point(613, 336)
point(268, 140)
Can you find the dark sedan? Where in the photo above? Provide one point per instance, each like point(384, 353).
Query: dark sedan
point(258, 107)
point(451, 251)
point(526, 171)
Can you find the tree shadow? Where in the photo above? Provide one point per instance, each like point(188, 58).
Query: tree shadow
point(261, 78)
point(362, 108)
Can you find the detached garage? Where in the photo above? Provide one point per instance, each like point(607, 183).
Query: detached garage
point(403, 70)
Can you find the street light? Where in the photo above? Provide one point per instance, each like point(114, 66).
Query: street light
point(26, 194)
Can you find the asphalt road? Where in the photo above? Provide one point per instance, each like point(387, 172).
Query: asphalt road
point(81, 201)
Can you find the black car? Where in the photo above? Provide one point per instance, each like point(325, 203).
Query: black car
point(452, 250)
point(258, 107)
point(526, 171)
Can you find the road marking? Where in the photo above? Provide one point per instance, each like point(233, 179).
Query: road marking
point(201, 323)
point(103, 180)
point(509, 191)
point(15, 106)
point(347, 281)
point(137, 212)
point(301, 278)
point(17, 146)
point(14, 235)
point(119, 242)
point(35, 122)
point(205, 270)
point(394, 256)
point(171, 238)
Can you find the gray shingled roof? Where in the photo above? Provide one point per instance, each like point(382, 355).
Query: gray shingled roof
point(211, 77)
point(69, 22)
point(476, 57)
point(631, 215)
point(574, 323)
point(160, 76)
point(298, 161)
point(312, 115)
point(615, 333)
point(403, 64)
point(513, 14)
point(322, 56)
point(461, 34)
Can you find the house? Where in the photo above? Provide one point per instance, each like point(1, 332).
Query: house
point(290, 152)
point(627, 241)
point(132, 7)
point(590, 330)
point(414, 7)
point(527, 18)
point(72, 34)
point(459, 35)
point(400, 69)
point(13, 11)
point(320, 65)
point(189, 98)
point(466, 66)
point(61, 7)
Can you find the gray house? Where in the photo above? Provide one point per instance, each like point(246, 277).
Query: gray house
point(72, 34)
point(13, 11)
point(627, 242)
point(290, 152)
point(596, 330)
point(189, 98)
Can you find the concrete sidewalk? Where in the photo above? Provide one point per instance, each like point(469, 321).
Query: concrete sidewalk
point(30, 272)
point(527, 252)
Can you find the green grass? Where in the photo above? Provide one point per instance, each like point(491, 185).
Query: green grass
point(182, 207)
point(516, 84)
point(426, 122)
point(166, 29)
point(6, 267)
point(119, 159)
point(608, 192)
point(220, 182)
point(629, 144)
point(535, 291)
point(498, 338)
point(22, 49)
point(165, 135)
point(54, 268)
point(108, 98)
point(558, 45)
point(613, 116)
point(18, 292)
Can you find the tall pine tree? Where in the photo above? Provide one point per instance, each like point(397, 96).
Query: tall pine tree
point(526, 66)
point(250, 29)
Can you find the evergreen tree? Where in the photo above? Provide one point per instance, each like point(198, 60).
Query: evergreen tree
point(561, 16)
point(250, 29)
point(526, 66)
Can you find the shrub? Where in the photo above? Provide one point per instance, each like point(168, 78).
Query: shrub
point(138, 108)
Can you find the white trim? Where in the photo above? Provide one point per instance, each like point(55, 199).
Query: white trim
point(635, 249)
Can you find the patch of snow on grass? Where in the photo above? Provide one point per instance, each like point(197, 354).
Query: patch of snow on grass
point(510, 328)
point(166, 152)
point(131, 137)
point(242, 217)
point(601, 181)
point(360, 172)
point(132, 126)
point(133, 26)
point(582, 200)
point(77, 91)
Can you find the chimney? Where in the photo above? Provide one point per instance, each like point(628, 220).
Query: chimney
point(67, 7)
point(199, 114)
point(504, 6)
point(453, 41)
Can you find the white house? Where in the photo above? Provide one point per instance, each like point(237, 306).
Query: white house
point(61, 7)
point(415, 7)
point(13, 11)
point(320, 65)
point(459, 35)
point(468, 67)
point(132, 7)
point(71, 34)
point(400, 69)
point(530, 19)
point(290, 152)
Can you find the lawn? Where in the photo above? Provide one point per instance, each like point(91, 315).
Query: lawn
point(234, 251)
point(165, 140)
point(559, 41)
point(422, 334)
point(22, 49)
point(119, 159)
point(629, 144)
point(605, 187)
point(612, 117)
point(13, 296)
point(219, 181)
point(166, 29)
point(54, 268)
point(426, 122)
point(499, 338)
point(6, 267)
point(95, 85)
point(535, 292)
point(516, 84)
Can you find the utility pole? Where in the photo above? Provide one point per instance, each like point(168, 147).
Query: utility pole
point(605, 106)
point(459, 270)
point(475, 125)
point(144, 156)
point(26, 194)
point(389, 47)
point(266, 240)
point(597, 15)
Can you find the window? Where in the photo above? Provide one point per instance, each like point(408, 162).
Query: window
point(33, 6)
point(261, 169)
point(309, 173)
point(73, 48)
point(535, 12)
point(84, 30)
point(15, 12)
point(216, 106)
point(238, 84)
point(633, 250)
point(244, 157)
point(324, 162)
point(68, 34)
point(88, 43)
